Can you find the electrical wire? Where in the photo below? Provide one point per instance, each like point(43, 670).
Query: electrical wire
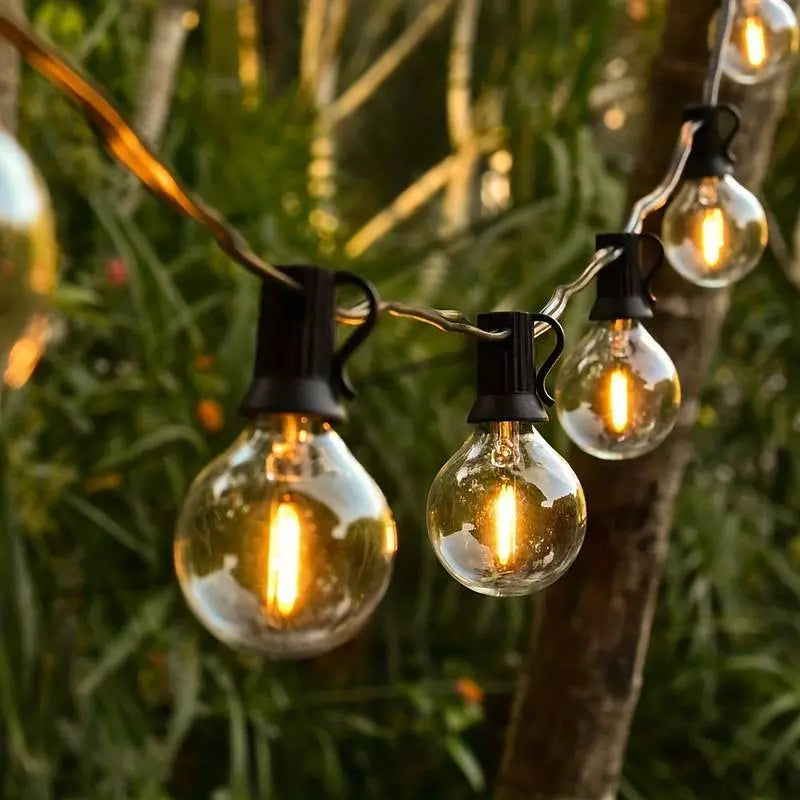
point(127, 148)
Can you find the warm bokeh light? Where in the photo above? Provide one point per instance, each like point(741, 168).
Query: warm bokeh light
point(26, 352)
point(283, 562)
point(505, 520)
point(501, 161)
point(712, 236)
point(615, 118)
point(618, 400)
point(190, 20)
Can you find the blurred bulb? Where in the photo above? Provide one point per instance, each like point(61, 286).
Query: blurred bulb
point(506, 514)
point(285, 544)
point(764, 37)
point(714, 231)
point(618, 393)
point(27, 248)
point(27, 352)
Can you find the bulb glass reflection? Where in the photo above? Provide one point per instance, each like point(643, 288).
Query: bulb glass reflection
point(285, 544)
point(715, 231)
point(506, 514)
point(618, 393)
point(28, 257)
point(764, 38)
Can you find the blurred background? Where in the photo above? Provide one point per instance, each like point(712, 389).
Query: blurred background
point(277, 111)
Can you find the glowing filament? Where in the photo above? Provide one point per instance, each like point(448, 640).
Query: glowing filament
point(755, 42)
point(283, 561)
point(712, 236)
point(505, 521)
point(618, 401)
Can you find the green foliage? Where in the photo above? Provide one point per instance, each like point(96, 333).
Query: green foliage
point(110, 689)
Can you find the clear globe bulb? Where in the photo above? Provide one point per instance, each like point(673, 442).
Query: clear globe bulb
point(506, 514)
point(28, 252)
point(618, 394)
point(714, 231)
point(285, 544)
point(764, 37)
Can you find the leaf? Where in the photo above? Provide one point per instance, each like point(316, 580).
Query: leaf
point(237, 730)
point(466, 762)
point(150, 445)
point(148, 619)
point(186, 672)
point(108, 525)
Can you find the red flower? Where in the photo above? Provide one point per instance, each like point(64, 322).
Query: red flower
point(211, 415)
point(116, 272)
point(469, 691)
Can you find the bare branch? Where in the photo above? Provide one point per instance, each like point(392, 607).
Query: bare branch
point(411, 200)
point(459, 198)
point(366, 85)
point(459, 79)
point(311, 44)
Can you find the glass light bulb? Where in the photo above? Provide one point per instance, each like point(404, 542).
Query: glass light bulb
point(618, 392)
point(28, 251)
point(714, 231)
point(764, 38)
point(506, 514)
point(285, 544)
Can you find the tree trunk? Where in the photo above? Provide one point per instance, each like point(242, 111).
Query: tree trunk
point(157, 86)
point(9, 72)
point(579, 690)
point(164, 52)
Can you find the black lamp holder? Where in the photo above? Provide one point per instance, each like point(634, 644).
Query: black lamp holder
point(510, 387)
point(711, 155)
point(623, 285)
point(297, 366)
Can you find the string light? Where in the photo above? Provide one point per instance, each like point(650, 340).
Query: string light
point(763, 39)
point(506, 514)
point(28, 256)
point(715, 230)
point(618, 392)
point(285, 544)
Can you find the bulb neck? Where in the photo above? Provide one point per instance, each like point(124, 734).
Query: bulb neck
point(291, 427)
point(623, 285)
point(710, 156)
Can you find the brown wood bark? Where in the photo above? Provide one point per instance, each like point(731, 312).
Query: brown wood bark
point(579, 690)
point(157, 86)
point(9, 72)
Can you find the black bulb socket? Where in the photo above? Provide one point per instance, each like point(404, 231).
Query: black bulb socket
point(510, 387)
point(623, 285)
point(298, 369)
point(711, 156)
